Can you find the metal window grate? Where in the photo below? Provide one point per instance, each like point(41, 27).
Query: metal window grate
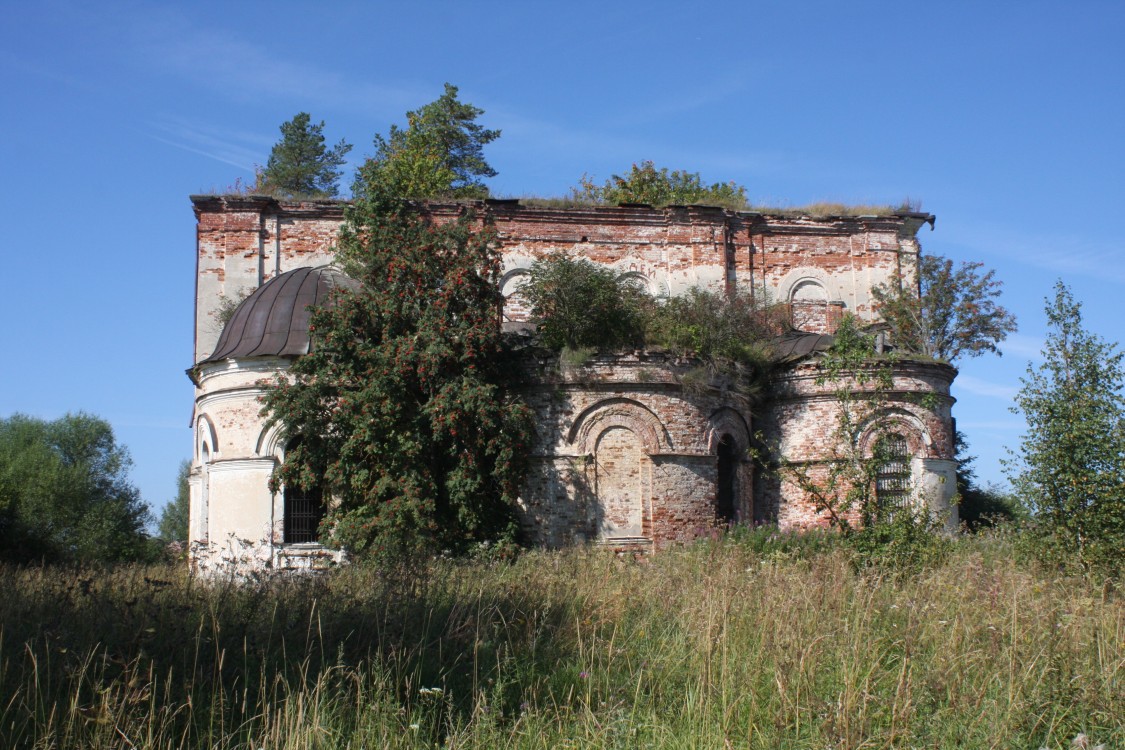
point(304, 510)
point(892, 481)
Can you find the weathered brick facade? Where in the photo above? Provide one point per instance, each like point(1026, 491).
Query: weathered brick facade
point(625, 454)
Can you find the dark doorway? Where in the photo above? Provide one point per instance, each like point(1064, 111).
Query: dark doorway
point(724, 497)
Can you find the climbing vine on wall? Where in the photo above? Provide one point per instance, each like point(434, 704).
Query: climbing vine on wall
point(843, 487)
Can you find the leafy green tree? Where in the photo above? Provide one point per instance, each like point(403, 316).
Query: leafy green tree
point(440, 153)
point(948, 313)
point(301, 165)
point(1071, 465)
point(980, 507)
point(660, 187)
point(65, 495)
point(577, 304)
point(173, 526)
point(406, 406)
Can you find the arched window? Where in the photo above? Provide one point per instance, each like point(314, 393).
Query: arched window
point(892, 477)
point(304, 510)
point(808, 305)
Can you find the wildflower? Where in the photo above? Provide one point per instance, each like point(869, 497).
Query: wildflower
point(582, 675)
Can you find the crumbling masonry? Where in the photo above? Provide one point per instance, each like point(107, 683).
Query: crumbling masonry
point(625, 455)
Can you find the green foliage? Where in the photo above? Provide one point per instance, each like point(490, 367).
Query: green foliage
point(300, 165)
point(843, 486)
point(731, 334)
point(577, 304)
point(907, 541)
point(949, 314)
point(732, 328)
point(647, 184)
point(440, 153)
point(580, 307)
point(173, 526)
point(65, 495)
point(406, 405)
point(1071, 465)
point(745, 642)
point(981, 507)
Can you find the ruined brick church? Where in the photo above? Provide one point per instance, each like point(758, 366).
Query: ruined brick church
point(625, 456)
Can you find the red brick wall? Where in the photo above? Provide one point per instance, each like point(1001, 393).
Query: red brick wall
point(245, 240)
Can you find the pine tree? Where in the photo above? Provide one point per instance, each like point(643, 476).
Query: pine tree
point(1071, 468)
point(300, 165)
point(440, 153)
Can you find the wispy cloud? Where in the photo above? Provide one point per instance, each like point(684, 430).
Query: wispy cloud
point(1023, 347)
point(1066, 254)
point(239, 148)
point(985, 388)
point(221, 60)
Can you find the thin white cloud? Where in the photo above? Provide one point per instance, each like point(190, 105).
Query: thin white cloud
point(985, 388)
point(217, 58)
point(239, 148)
point(1023, 347)
point(1066, 254)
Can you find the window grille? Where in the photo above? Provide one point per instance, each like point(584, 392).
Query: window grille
point(892, 480)
point(304, 510)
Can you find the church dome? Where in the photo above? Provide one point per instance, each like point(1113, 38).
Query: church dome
point(274, 320)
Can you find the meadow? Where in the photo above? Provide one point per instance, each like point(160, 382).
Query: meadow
point(754, 641)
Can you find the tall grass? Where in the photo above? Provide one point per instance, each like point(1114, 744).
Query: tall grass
point(735, 643)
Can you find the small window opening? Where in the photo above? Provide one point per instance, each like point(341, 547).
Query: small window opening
point(304, 510)
point(892, 480)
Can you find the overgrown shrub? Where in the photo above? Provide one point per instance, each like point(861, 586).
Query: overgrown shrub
point(578, 304)
point(730, 334)
point(660, 187)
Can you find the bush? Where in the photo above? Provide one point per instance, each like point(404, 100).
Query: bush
point(577, 304)
point(647, 184)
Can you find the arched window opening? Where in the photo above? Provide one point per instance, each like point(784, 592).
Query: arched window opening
point(304, 510)
point(725, 492)
point(892, 477)
point(808, 306)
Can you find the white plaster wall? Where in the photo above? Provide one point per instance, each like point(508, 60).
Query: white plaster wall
point(235, 520)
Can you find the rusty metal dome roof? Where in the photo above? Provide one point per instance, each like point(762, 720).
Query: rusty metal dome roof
point(796, 345)
point(274, 320)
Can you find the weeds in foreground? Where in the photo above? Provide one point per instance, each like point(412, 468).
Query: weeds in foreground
point(757, 640)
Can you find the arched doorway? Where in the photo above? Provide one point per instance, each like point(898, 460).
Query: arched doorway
point(726, 508)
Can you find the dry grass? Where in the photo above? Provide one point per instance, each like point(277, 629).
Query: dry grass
point(728, 644)
point(822, 210)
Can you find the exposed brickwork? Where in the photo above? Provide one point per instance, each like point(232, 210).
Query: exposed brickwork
point(800, 424)
point(620, 440)
point(624, 454)
point(246, 240)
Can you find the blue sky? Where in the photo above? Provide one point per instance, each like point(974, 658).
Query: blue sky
point(1006, 120)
